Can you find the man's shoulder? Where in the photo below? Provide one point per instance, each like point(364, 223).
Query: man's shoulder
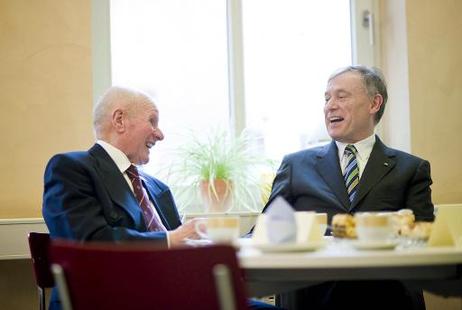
point(311, 152)
point(71, 156)
point(72, 160)
point(402, 155)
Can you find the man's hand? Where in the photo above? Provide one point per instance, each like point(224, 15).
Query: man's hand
point(178, 236)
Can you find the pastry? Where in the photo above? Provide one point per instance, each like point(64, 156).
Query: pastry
point(344, 226)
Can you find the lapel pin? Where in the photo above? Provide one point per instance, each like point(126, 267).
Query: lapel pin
point(385, 164)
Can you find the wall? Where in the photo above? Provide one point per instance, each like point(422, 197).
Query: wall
point(425, 86)
point(435, 88)
point(45, 94)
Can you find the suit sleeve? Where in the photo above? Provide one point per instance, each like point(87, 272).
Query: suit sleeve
point(419, 193)
point(282, 183)
point(73, 210)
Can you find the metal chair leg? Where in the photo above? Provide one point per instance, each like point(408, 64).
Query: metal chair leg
point(41, 292)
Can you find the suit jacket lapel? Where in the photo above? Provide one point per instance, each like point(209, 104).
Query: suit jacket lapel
point(163, 209)
point(116, 185)
point(328, 167)
point(380, 163)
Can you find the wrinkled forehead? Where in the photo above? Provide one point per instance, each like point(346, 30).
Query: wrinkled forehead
point(347, 81)
point(141, 104)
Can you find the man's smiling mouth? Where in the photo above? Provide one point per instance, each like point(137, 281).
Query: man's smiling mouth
point(335, 119)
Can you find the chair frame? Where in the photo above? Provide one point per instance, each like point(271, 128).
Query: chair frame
point(39, 244)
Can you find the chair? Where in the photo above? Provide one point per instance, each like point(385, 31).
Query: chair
point(121, 276)
point(39, 244)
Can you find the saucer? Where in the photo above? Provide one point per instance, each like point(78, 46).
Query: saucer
point(198, 242)
point(375, 244)
point(289, 247)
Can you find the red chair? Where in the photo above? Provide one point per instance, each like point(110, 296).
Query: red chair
point(39, 244)
point(111, 276)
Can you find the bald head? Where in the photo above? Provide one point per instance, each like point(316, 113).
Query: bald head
point(116, 98)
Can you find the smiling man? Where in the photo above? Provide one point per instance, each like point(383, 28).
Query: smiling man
point(355, 172)
point(99, 194)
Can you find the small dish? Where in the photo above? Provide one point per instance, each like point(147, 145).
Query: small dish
point(289, 247)
point(375, 244)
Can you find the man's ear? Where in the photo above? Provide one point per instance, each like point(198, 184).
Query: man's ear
point(118, 120)
point(376, 103)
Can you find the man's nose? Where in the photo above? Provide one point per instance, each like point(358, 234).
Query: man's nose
point(159, 134)
point(330, 104)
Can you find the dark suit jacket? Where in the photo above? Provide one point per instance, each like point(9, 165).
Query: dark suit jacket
point(311, 180)
point(86, 198)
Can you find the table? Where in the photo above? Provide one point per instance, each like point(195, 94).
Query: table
point(437, 270)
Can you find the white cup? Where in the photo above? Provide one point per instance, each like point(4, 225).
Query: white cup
point(373, 226)
point(220, 229)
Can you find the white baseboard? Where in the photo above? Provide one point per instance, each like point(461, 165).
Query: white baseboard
point(13, 236)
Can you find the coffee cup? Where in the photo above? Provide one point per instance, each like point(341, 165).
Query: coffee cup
point(321, 219)
point(220, 229)
point(373, 226)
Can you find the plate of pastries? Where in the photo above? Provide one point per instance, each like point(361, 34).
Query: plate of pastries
point(403, 224)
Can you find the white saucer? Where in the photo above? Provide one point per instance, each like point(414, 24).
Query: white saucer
point(374, 245)
point(289, 247)
point(198, 242)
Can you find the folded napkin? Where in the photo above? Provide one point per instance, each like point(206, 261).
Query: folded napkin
point(280, 224)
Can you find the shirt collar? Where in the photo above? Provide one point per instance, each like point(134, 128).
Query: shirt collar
point(119, 157)
point(364, 147)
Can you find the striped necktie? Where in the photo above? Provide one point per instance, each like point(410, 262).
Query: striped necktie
point(351, 175)
point(151, 220)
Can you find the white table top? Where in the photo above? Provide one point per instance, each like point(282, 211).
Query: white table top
point(342, 255)
point(433, 268)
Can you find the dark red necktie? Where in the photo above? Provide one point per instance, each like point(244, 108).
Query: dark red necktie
point(151, 220)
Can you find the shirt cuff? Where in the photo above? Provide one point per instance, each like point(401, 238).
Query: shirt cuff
point(168, 239)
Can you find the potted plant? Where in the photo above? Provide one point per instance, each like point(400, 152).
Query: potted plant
point(222, 170)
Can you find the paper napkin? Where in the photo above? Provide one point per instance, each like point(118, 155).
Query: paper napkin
point(281, 226)
point(296, 227)
point(447, 228)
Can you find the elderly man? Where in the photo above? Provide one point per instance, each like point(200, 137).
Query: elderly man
point(99, 194)
point(96, 194)
point(355, 172)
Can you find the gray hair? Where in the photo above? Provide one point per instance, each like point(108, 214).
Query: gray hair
point(373, 80)
point(116, 97)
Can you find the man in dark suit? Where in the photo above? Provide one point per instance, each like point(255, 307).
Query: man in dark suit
point(89, 195)
point(379, 179)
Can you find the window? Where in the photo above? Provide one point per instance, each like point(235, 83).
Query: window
point(266, 71)
point(290, 48)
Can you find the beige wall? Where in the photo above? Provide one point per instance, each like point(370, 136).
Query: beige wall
point(45, 94)
point(435, 89)
point(425, 86)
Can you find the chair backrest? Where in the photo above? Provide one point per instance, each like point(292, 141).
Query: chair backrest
point(111, 276)
point(39, 244)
